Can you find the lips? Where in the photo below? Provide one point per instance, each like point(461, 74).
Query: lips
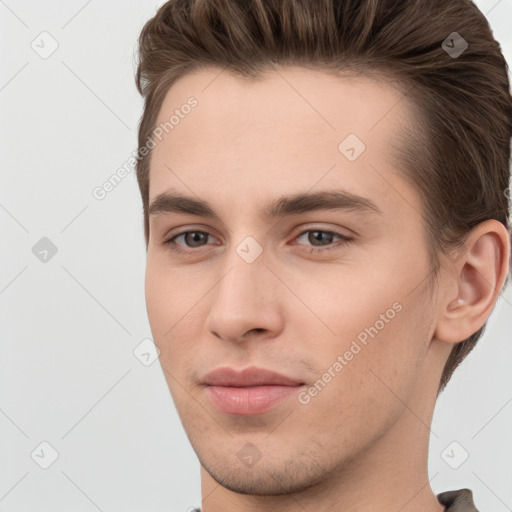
point(252, 376)
point(248, 392)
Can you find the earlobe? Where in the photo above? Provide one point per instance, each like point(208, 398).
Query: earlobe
point(474, 282)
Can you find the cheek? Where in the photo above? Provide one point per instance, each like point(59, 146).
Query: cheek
point(165, 306)
point(164, 301)
point(376, 338)
point(367, 395)
point(173, 304)
point(157, 300)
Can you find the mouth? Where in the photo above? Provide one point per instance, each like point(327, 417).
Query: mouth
point(250, 391)
point(249, 400)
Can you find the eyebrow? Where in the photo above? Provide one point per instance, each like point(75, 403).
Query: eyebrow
point(174, 202)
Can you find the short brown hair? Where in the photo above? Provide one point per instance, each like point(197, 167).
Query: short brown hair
point(457, 157)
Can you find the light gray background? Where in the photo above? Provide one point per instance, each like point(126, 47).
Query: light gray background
point(68, 375)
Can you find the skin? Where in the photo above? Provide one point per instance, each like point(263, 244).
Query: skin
point(362, 442)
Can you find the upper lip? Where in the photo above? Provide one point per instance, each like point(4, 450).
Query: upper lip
point(253, 376)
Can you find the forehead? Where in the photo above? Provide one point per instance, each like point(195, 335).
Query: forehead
point(286, 131)
point(300, 89)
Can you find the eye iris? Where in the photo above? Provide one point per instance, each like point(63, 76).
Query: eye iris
point(316, 236)
point(195, 236)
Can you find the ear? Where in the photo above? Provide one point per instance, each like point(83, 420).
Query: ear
point(474, 281)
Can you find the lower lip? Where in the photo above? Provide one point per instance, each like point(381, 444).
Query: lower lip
point(249, 400)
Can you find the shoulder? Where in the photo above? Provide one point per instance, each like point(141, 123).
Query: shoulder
point(460, 500)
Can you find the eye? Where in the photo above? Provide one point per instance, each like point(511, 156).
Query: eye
point(194, 238)
point(321, 240)
point(324, 239)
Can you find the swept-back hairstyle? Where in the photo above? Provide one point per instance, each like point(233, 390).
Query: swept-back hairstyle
point(457, 156)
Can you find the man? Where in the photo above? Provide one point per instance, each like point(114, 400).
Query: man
point(324, 191)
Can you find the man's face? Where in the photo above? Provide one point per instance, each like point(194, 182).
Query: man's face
point(351, 322)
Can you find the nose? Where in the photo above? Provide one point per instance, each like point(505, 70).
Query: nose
point(245, 302)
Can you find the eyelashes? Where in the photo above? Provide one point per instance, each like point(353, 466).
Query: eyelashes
point(343, 240)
